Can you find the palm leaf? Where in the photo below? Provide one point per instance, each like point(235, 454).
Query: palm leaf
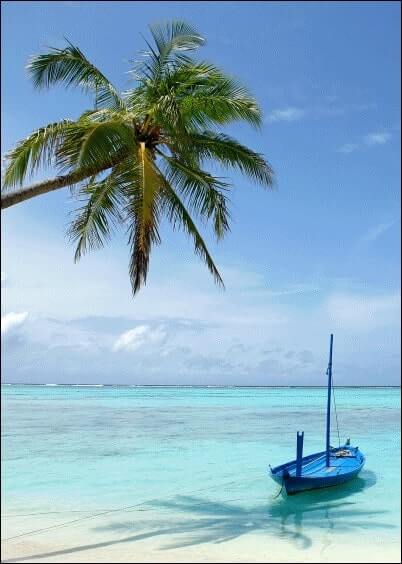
point(37, 149)
point(100, 212)
point(232, 154)
point(170, 39)
point(70, 67)
point(94, 144)
point(221, 100)
point(197, 95)
point(180, 218)
point(143, 210)
point(203, 192)
point(103, 140)
point(176, 35)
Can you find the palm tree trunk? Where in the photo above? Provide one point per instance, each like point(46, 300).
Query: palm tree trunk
point(13, 198)
point(52, 184)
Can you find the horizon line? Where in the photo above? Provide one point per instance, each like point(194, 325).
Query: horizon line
point(49, 384)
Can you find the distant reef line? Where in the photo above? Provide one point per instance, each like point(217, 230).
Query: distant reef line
point(183, 386)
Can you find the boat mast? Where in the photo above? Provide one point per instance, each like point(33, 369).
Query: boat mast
point(329, 372)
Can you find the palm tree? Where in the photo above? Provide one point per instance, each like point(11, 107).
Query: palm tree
point(141, 155)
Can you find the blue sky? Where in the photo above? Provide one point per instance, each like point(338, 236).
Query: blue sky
point(320, 253)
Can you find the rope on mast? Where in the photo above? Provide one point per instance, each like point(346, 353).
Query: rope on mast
point(336, 414)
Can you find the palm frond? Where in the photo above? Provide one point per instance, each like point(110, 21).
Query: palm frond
point(137, 100)
point(103, 140)
point(166, 112)
point(143, 211)
point(159, 103)
point(70, 67)
point(103, 114)
point(176, 35)
point(171, 39)
point(204, 193)
point(232, 154)
point(92, 144)
point(37, 149)
point(197, 94)
point(100, 212)
point(180, 218)
point(221, 100)
point(188, 74)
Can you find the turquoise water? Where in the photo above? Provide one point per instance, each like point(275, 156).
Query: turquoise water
point(198, 454)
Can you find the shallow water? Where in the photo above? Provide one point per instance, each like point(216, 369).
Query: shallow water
point(195, 459)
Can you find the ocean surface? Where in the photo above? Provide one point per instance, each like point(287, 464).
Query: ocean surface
point(111, 462)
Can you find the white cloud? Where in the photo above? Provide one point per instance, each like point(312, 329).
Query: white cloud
point(3, 276)
point(330, 111)
point(11, 320)
point(292, 113)
point(139, 337)
point(3, 166)
point(231, 349)
point(376, 231)
point(49, 333)
point(286, 114)
point(379, 138)
point(236, 278)
point(230, 328)
point(295, 289)
point(371, 140)
point(348, 148)
point(364, 313)
point(363, 107)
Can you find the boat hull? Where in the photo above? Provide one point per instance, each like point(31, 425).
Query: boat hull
point(315, 474)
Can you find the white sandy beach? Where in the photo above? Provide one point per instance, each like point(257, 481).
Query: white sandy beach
point(140, 540)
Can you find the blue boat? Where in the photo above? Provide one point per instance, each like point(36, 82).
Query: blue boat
point(331, 467)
